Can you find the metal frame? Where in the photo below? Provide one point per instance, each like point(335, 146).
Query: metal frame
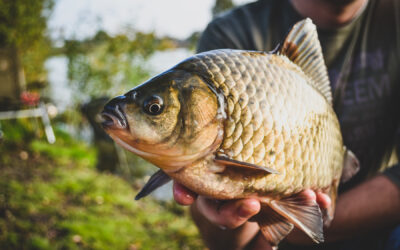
point(40, 111)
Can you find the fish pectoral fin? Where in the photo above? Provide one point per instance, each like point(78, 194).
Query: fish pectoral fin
point(158, 179)
point(351, 165)
point(303, 213)
point(226, 161)
point(273, 226)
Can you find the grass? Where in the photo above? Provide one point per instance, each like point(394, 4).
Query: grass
point(51, 197)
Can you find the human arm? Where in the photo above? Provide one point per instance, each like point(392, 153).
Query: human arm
point(212, 217)
point(371, 206)
point(225, 225)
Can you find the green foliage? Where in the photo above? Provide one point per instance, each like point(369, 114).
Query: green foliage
point(103, 73)
point(23, 22)
point(107, 66)
point(23, 25)
point(53, 199)
point(222, 5)
point(33, 60)
point(67, 150)
point(17, 131)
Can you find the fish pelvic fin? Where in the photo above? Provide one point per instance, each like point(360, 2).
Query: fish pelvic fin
point(302, 213)
point(157, 180)
point(303, 48)
point(351, 166)
point(228, 162)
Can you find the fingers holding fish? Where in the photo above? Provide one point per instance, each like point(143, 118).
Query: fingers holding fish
point(323, 200)
point(234, 213)
point(229, 214)
point(183, 195)
point(226, 214)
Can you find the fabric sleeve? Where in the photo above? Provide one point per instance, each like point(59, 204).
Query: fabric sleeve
point(393, 174)
point(213, 37)
point(229, 31)
point(245, 27)
point(259, 25)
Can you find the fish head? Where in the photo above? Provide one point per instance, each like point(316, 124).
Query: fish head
point(172, 120)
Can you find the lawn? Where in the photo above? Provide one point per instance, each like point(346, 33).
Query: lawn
point(52, 197)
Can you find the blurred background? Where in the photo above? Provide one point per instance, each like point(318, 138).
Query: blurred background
point(63, 183)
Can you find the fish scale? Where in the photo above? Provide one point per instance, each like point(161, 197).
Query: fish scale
point(232, 124)
point(276, 87)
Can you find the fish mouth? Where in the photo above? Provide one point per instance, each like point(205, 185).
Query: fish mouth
point(113, 117)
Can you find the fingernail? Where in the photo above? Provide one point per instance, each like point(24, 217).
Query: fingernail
point(245, 211)
point(309, 194)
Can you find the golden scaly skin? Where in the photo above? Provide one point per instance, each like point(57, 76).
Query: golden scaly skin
point(274, 119)
point(248, 106)
point(212, 121)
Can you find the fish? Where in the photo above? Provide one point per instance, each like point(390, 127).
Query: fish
point(231, 124)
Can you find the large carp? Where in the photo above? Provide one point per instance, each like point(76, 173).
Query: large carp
point(232, 124)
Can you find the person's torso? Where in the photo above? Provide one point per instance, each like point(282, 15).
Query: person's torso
point(362, 60)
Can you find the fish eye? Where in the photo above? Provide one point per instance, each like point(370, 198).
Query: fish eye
point(153, 105)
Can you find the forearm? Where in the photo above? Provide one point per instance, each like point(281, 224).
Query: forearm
point(371, 206)
point(216, 237)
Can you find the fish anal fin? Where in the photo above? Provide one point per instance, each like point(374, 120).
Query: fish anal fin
point(226, 161)
point(351, 165)
point(303, 48)
point(273, 226)
point(303, 212)
point(158, 179)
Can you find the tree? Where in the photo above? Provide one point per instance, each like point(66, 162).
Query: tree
point(105, 65)
point(23, 25)
point(222, 5)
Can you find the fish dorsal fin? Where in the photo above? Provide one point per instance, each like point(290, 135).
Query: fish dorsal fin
point(302, 47)
point(158, 179)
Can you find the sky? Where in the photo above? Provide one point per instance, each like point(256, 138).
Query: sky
point(80, 19)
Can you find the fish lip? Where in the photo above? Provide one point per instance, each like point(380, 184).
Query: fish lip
point(114, 119)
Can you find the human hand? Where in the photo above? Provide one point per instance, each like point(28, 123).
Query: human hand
point(233, 213)
point(212, 217)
